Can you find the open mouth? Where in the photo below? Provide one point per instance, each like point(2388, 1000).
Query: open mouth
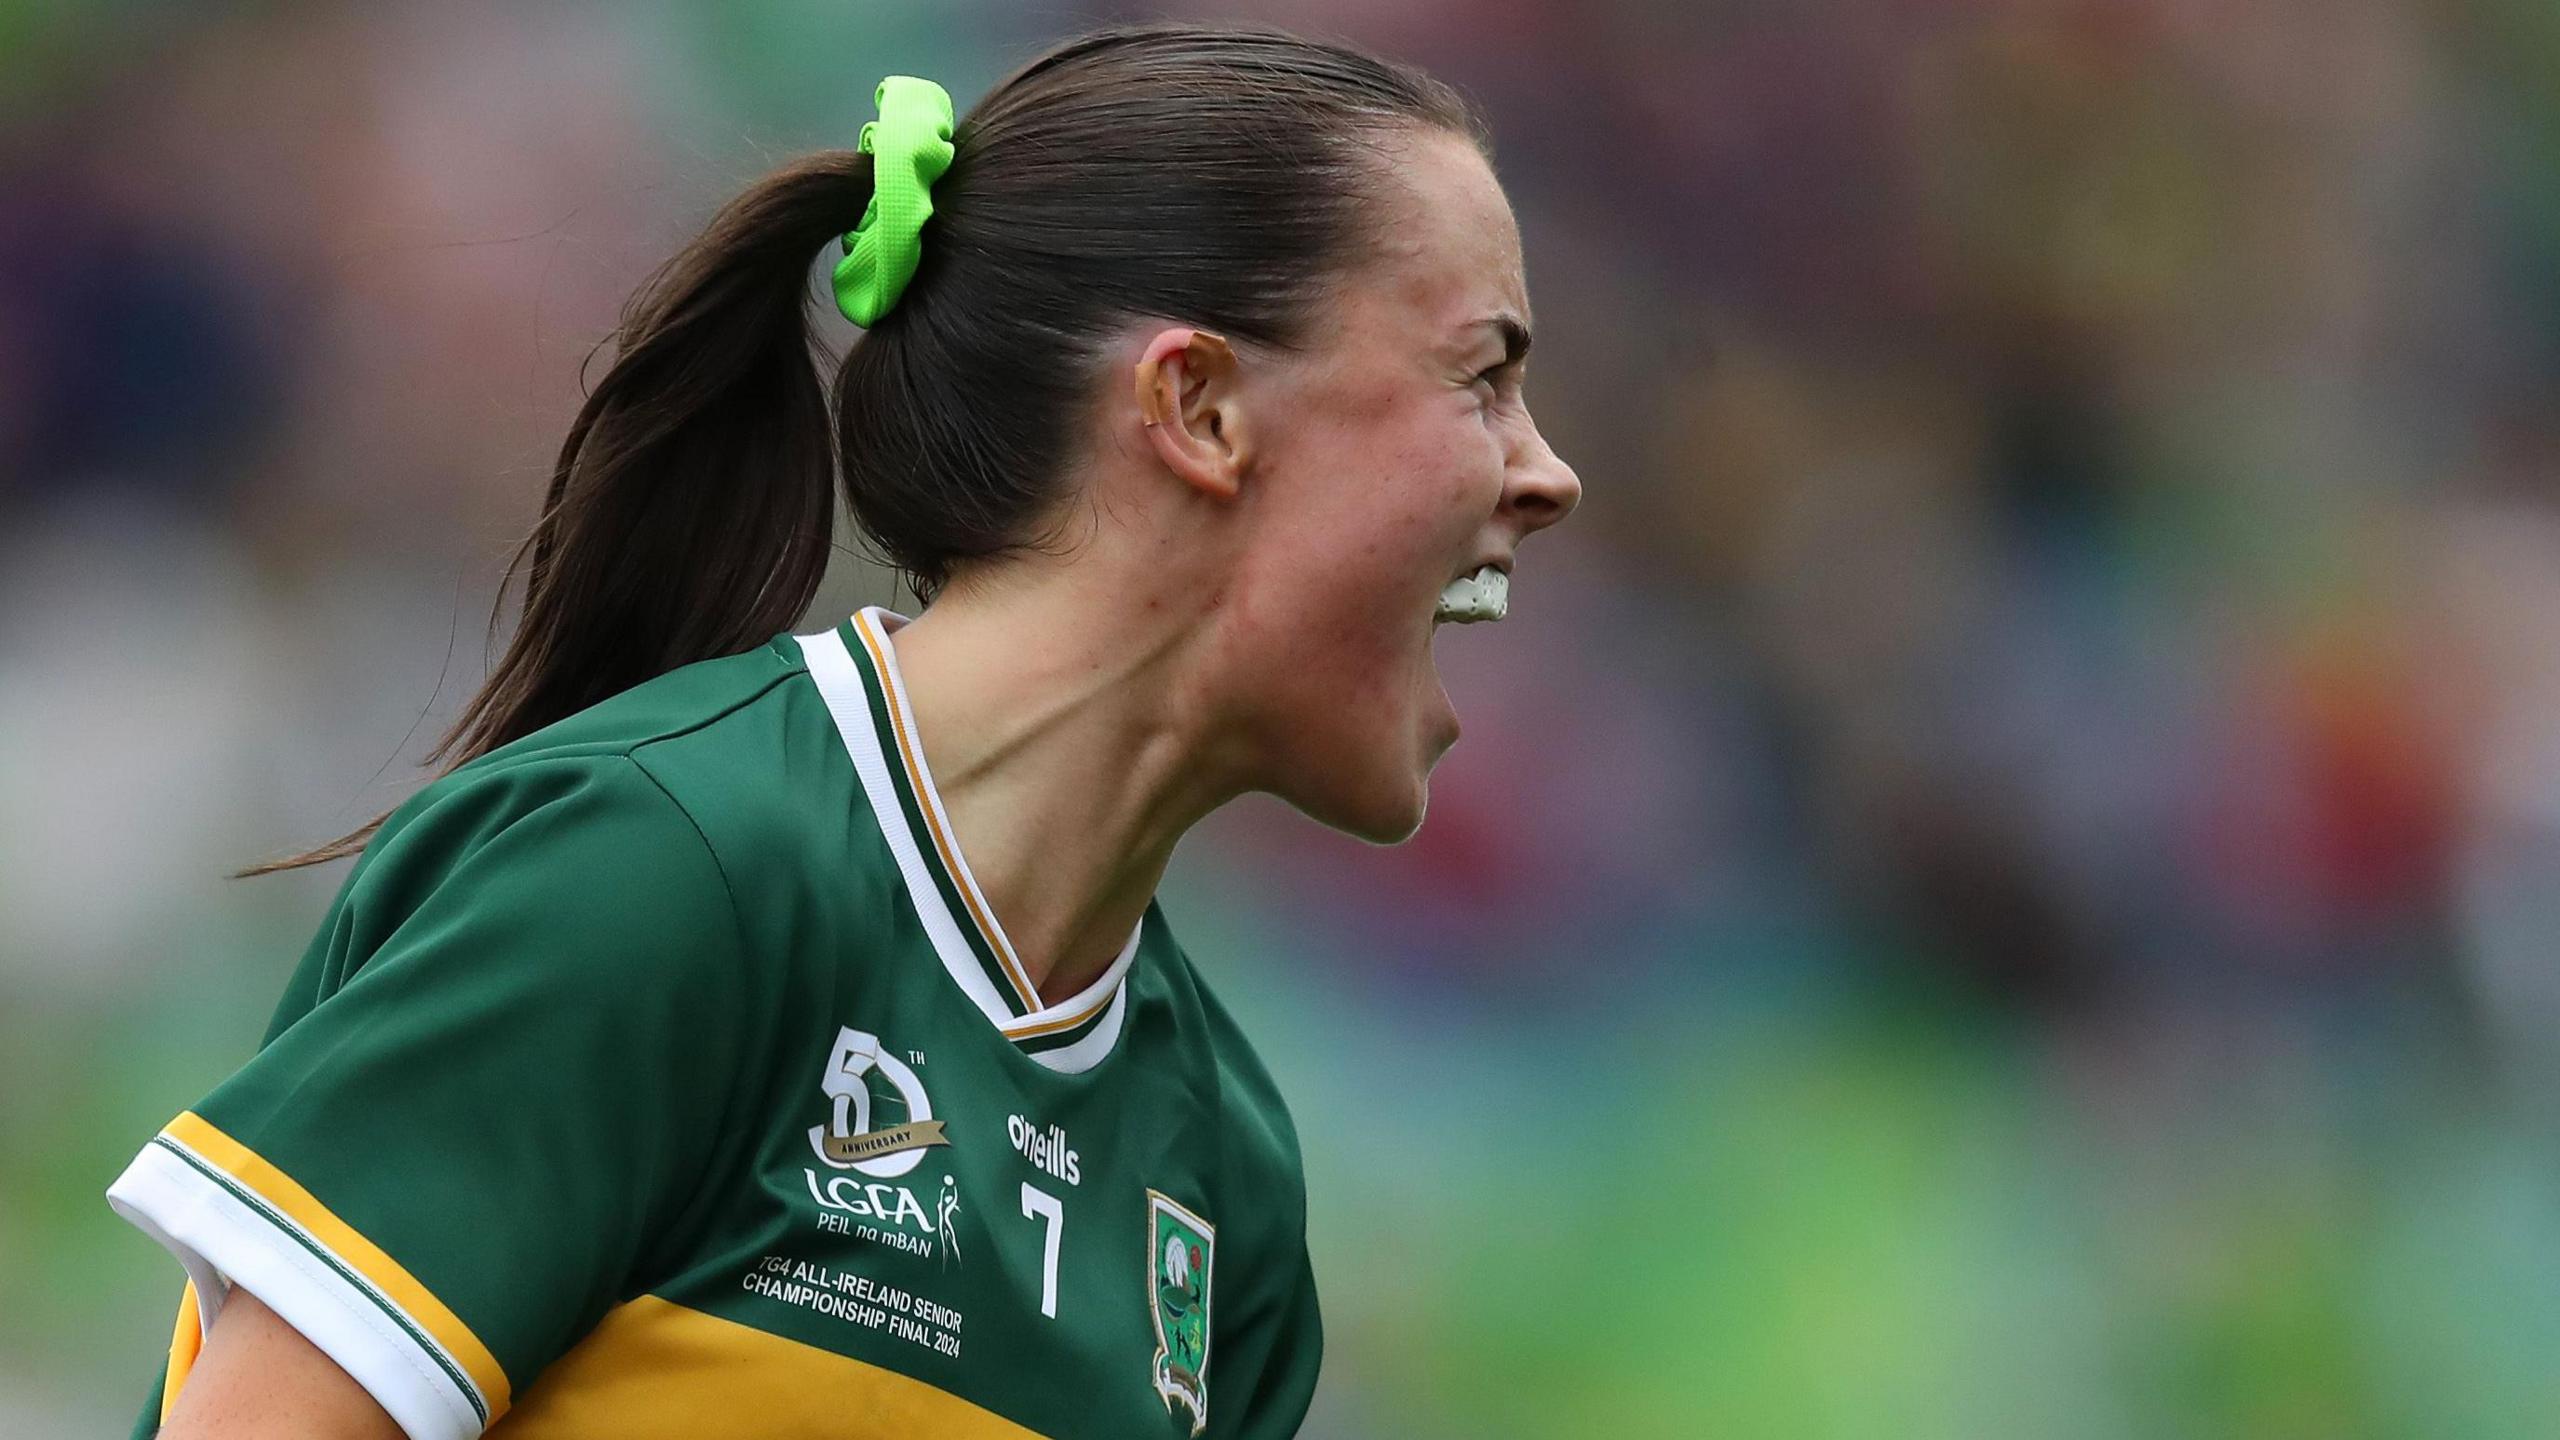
point(1482, 594)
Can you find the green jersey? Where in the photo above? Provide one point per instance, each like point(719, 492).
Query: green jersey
point(665, 1073)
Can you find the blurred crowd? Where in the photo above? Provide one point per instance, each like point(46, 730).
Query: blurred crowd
point(2000, 875)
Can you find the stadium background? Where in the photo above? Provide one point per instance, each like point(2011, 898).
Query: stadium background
point(2000, 880)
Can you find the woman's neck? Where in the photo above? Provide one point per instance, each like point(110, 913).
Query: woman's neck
point(1071, 756)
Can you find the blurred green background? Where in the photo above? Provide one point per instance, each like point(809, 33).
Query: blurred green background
point(2004, 876)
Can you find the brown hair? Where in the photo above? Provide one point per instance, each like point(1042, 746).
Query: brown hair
point(1218, 175)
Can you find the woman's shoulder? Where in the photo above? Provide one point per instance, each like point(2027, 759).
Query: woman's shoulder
point(538, 832)
point(693, 772)
point(705, 699)
point(731, 747)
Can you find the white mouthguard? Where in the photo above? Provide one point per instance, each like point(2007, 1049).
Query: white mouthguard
point(1484, 595)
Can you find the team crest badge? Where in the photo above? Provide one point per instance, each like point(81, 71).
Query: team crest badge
point(1180, 1246)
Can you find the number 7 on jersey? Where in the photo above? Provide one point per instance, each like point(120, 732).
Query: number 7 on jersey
point(1038, 1204)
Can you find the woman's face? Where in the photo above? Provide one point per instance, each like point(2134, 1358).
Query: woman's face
point(1396, 454)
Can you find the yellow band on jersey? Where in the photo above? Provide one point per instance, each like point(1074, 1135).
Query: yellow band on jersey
point(655, 1370)
point(287, 1197)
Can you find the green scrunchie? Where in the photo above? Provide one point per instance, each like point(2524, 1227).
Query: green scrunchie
point(910, 147)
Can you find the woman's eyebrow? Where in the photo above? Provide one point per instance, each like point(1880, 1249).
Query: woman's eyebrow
point(1515, 334)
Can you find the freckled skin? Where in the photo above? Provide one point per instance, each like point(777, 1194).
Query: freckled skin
point(1402, 472)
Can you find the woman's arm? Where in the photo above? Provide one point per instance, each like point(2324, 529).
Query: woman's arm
point(258, 1377)
point(537, 953)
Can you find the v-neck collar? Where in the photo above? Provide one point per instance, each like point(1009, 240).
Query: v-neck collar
point(856, 670)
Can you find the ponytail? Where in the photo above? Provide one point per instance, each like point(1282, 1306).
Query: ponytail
point(691, 510)
point(1222, 175)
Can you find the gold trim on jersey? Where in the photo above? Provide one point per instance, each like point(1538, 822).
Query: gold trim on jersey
point(875, 641)
point(185, 1344)
point(655, 1370)
point(286, 1195)
point(929, 804)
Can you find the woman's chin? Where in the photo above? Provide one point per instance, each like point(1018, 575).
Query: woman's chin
point(1404, 791)
point(1390, 824)
point(1382, 807)
point(1375, 784)
point(1440, 717)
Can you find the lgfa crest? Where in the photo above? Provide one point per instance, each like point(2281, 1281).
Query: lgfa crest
point(1180, 1247)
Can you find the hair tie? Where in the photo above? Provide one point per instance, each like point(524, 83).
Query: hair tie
point(910, 147)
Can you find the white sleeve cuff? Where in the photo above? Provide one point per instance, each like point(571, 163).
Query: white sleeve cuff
point(225, 1236)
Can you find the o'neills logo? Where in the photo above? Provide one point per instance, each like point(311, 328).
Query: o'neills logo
point(1045, 1148)
point(847, 1141)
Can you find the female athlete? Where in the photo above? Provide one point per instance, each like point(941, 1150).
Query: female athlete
point(758, 1033)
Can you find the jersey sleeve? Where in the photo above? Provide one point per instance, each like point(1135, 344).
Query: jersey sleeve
point(1278, 1344)
point(1270, 1344)
point(446, 1170)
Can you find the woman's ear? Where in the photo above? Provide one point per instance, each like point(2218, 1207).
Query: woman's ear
point(1188, 405)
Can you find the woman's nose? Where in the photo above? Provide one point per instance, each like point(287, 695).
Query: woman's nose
point(1543, 489)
